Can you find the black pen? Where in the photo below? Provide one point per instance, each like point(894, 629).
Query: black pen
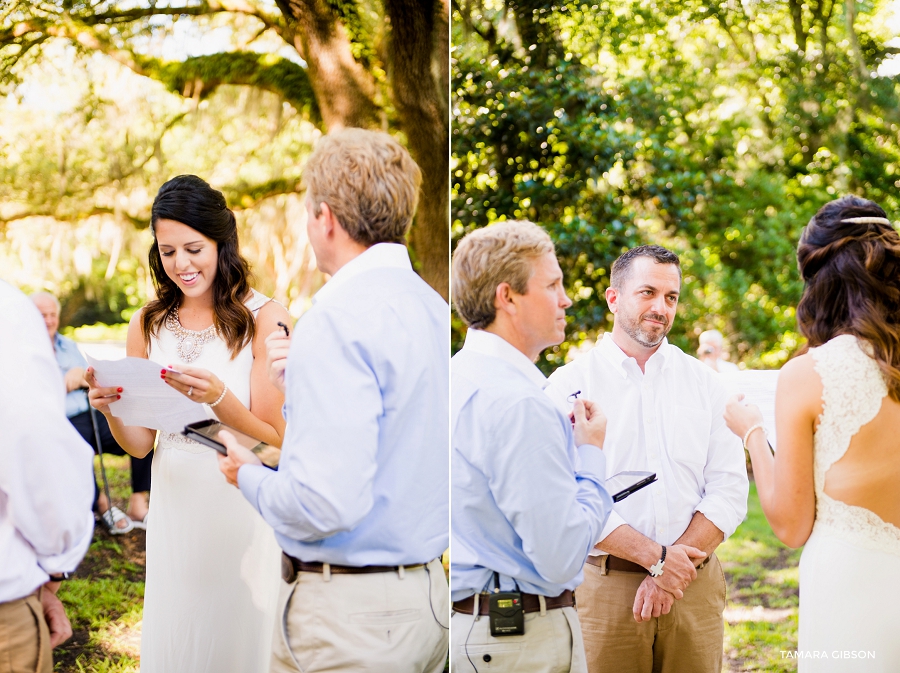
point(287, 332)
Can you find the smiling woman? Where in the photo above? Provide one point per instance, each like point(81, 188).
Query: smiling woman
point(212, 562)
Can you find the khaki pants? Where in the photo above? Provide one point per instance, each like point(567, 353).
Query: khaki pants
point(688, 639)
point(369, 623)
point(24, 637)
point(551, 644)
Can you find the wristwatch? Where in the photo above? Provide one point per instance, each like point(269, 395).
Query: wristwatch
point(657, 570)
point(59, 578)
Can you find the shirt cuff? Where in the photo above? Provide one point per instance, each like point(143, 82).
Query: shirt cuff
point(591, 462)
point(250, 479)
point(721, 515)
point(68, 561)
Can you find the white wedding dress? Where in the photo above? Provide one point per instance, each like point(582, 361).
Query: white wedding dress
point(850, 567)
point(213, 565)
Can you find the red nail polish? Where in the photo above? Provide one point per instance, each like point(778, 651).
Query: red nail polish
point(119, 390)
point(163, 371)
point(118, 397)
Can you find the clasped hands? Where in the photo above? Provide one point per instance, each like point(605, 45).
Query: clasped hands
point(656, 595)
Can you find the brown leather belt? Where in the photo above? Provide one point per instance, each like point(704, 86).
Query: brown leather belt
point(616, 563)
point(620, 564)
point(290, 566)
point(530, 603)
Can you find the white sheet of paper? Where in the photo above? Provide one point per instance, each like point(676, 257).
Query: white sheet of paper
point(758, 386)
point(146, 400)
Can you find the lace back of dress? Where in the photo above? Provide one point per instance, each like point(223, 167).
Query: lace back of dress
point(852, 393)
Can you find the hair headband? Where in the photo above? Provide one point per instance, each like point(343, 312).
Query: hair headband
point(868, 220)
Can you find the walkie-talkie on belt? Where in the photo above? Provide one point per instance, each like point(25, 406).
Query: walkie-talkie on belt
point(506, 613)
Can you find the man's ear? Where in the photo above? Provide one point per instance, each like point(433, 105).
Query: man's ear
point(328, 220)
point(504, 299)
point(612, 299)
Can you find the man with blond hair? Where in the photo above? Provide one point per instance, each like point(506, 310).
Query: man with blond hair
point(359, 503)
point(528, 500)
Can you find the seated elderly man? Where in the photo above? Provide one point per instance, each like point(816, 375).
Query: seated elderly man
point(711, 349)
point(72, 365)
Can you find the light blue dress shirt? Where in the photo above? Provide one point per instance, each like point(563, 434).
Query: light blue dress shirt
point(67, 357)
point(526, 503)
point(364, 475)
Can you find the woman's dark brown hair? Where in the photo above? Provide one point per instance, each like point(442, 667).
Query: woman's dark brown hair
point(191, 201)
point(852, 273)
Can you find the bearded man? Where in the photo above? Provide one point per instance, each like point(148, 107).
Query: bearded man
point(654, 592)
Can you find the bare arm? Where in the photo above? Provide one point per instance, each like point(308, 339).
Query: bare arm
point(785, 481)
point(625, 542)
point(263, 419)
point(702, 534)
point(136, 441)
point(75, 379)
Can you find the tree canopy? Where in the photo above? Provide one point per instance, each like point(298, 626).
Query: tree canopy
point(289, 69)
point(714, 129)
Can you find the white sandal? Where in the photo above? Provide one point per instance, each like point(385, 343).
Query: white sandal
point(112, 517)
point(141, 523)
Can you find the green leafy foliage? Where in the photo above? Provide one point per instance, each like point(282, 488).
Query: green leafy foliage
point(698, 127)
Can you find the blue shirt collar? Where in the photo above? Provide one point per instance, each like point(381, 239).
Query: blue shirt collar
point(379, 256)
point(488, 343)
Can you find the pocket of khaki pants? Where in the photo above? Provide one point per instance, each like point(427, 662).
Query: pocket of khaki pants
point(43, 651)
point(389, 617)
point(500, 656)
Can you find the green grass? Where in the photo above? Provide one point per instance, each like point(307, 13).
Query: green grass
point(761, 573)
point(104, 601)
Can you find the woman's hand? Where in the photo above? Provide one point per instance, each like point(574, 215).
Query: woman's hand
point(198, 385)
point(99, 396)
point(740, 417)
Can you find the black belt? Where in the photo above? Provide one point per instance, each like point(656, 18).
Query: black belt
point(530, 603)
point(290, 566)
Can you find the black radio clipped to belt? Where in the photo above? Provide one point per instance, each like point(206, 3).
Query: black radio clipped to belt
point(506, 613)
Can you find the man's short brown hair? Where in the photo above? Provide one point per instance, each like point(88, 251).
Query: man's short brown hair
point(621, 268)
point(369, 182)
point(500, 253)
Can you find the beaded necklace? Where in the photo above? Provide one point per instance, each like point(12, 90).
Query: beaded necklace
point(190, 342)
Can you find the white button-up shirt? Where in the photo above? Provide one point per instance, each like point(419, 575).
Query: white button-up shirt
point(668, 420)
point(46, 470)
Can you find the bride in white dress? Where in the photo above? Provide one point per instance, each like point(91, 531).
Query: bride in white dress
point(213, 565)
point(834, 484)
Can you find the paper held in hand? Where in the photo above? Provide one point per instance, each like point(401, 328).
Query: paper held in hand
point(147, 400)
point(758, 386)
